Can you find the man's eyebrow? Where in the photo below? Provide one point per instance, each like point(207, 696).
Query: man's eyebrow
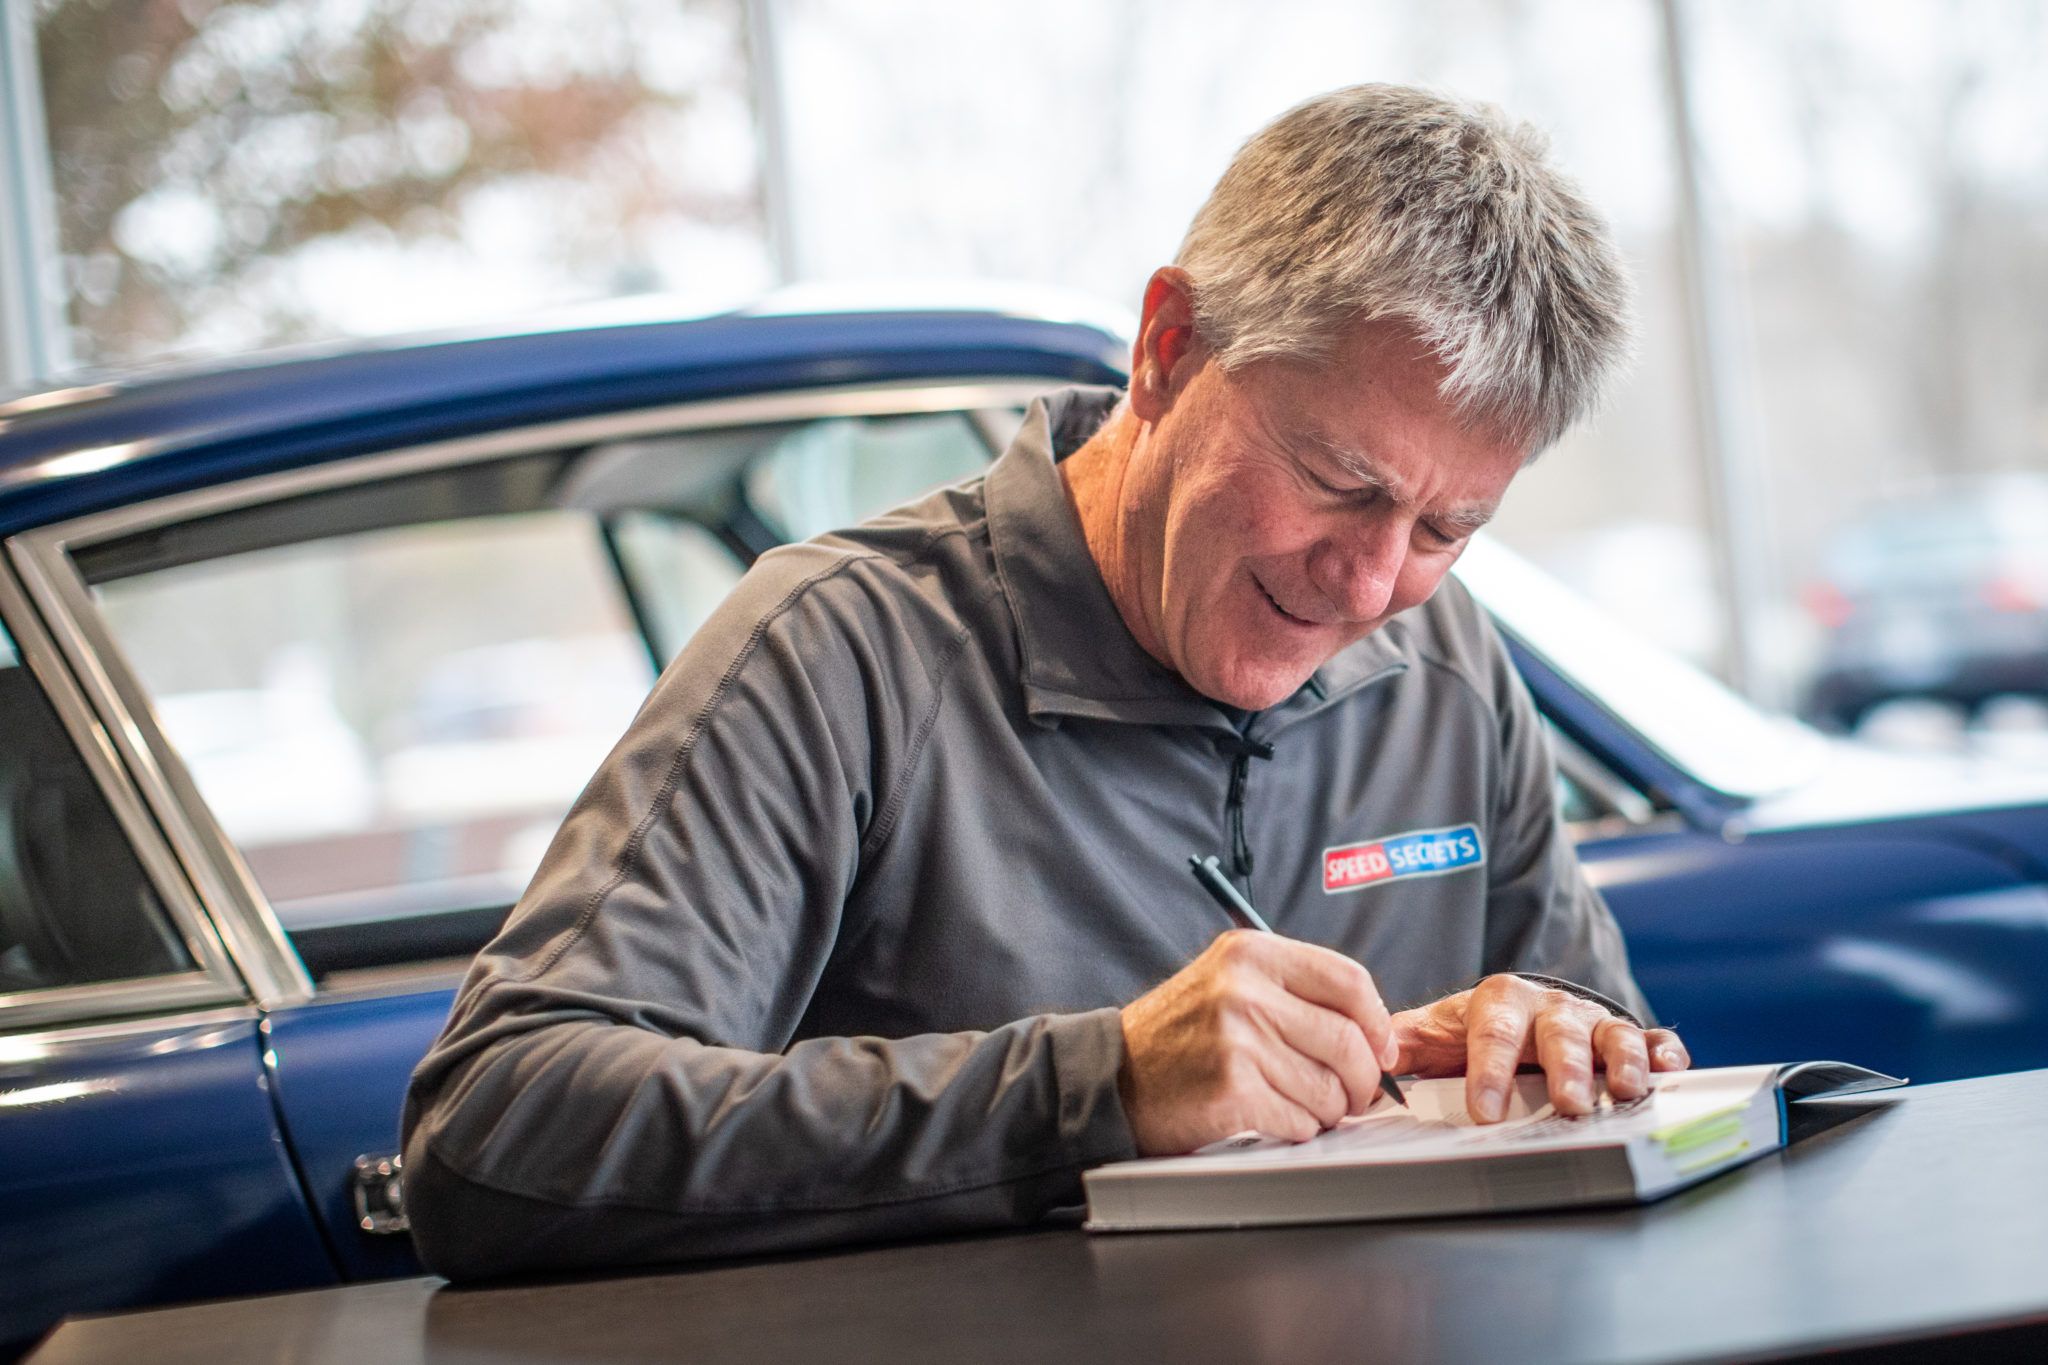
point(1367, 471)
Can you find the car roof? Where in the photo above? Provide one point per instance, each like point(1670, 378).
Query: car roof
point(107, 442)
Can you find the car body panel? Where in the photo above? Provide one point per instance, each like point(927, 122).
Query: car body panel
point(340, 1066)
point(157, 436)
point(1898, 947)
point(144, 1164)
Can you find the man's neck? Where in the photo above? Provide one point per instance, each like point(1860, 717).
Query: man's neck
point(1094, 480)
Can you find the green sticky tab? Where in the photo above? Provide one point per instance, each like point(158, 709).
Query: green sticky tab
point(1713, 1158)
point(1701, 1135)
point(1677, 1131)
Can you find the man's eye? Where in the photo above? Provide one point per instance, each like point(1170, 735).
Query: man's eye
point(1438, 536)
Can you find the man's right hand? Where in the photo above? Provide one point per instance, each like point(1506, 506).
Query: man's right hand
point(1259, 1032)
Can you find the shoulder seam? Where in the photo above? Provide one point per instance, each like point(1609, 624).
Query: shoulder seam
point(885, 819)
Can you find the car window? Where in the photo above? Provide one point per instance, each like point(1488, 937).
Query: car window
point(75, 907)
point(834, 473)
point(678, 572)
point(391, 722)
point(389, 692)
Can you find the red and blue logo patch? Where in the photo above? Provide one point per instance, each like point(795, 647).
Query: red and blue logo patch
point(1419, 853)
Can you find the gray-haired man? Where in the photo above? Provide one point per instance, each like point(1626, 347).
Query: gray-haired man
point(878, 921)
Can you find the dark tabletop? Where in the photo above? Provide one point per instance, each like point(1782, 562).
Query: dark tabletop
point(1910, 1226)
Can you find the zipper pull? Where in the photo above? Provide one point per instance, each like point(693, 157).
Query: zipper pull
point(1240, 847)
point(1242, 750)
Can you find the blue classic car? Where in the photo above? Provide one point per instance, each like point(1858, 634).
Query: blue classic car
point(301, 660)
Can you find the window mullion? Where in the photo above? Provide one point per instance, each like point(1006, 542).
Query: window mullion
point(33, 342)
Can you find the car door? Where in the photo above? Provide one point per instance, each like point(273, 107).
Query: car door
point(141, 1156)
point(1888, 944)
point(376, 686)
point(1917, 943)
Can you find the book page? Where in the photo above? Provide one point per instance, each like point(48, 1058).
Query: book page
point(1436, 1127)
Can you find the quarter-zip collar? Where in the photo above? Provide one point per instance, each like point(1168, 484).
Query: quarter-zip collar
point(1078, 657)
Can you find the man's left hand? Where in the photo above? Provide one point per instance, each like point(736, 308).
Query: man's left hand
point(1504, 1021)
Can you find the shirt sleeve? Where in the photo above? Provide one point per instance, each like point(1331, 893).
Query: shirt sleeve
point(618, 1081)
point(1543, 917)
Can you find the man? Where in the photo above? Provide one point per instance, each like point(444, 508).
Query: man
point(878, 921)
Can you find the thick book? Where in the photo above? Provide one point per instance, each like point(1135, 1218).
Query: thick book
point(1431, 1159)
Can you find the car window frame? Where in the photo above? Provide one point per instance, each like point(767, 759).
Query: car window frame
point(45, 558)
point(212, 981)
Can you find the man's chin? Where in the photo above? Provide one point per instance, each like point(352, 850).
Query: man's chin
point(1255, 690)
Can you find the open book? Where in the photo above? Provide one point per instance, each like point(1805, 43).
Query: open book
point(1431, 1159)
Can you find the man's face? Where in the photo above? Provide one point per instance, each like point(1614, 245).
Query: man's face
point(1279, 514)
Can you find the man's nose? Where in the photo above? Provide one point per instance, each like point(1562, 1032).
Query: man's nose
point(1358, 569)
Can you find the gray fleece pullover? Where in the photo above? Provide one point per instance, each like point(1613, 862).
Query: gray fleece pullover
point(832, 946)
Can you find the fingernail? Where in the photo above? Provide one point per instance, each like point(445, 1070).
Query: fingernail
point(1390, 1054)
point(1577, 1094)
point(1670, 1057)
point(1630, 1077)
point(1492, 1103)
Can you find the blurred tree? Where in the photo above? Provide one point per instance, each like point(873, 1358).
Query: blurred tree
point(1896, 280)
point(203, 148)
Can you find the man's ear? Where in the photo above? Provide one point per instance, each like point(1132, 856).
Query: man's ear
point(1168, 351)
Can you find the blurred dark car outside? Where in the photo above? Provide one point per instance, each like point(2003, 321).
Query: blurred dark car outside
point(1942, 595)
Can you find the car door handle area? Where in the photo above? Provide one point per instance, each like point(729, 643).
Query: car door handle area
point(377, 1186)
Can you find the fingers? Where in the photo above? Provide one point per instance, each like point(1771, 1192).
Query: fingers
point(1498, 1017)
point(1325, 977)
point(1624, 1053)
point(1332, 1049)
point(1667, 1053)
point(1564, 1048)
point(1571, 1035)
point(1238, 1039)
point(1505, 1020)
point(1304, 1096)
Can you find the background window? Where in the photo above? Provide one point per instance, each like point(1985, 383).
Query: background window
point(391, 722)
point(75, 907)
point(937, 176)
point(841, 471)
point(1885, 220)
point(233, 175)
point(679, 572)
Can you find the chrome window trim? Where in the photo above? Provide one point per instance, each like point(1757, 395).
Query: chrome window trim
point(212, 978)
point(1620, 799)
point(30, 1047)
point(108, 1000)
point(248, 925)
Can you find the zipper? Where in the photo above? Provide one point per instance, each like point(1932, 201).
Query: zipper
point(1242, 751)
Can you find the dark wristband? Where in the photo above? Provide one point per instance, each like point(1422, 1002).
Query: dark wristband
point(1558, 983)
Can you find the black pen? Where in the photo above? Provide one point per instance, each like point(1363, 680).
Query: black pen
point(1210, 875)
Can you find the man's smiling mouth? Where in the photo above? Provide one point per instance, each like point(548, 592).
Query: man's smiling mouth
point(1284, 613)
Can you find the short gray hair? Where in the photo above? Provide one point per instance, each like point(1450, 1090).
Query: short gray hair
point(1380, 201)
